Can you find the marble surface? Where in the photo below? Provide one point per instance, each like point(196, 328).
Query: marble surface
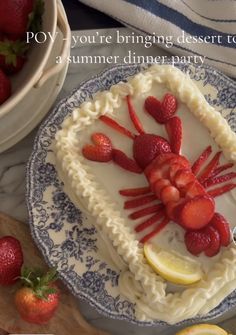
point(12, 178)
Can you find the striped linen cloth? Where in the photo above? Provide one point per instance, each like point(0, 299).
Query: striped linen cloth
point(189, 22)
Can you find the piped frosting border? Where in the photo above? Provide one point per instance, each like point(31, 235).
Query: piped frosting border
point(172, 308)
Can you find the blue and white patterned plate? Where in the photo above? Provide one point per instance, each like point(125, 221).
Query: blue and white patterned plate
point(62, 232)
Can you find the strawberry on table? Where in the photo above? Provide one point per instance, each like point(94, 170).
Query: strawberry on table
point(11, 260)
point(38, 299)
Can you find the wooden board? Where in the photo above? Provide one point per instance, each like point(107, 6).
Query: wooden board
point(67, 319)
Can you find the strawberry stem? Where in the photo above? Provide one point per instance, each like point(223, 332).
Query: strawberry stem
point(157, 230)
point(139, 202)
point(115, 125)
point(39, 282)
point(134, 192)
point(133, 116)
point(221, 190)
point(145, 211)
point(149, 222)
point(201, 160)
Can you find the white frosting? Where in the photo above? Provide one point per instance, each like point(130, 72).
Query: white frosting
point(87, 182)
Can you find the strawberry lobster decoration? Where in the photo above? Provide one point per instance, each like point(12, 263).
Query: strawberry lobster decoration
point(182, 189)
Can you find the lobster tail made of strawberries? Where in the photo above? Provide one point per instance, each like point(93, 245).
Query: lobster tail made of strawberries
point(176, 191)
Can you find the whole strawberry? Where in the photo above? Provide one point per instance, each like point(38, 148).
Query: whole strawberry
point(11, 259)
point(38, 299)
point(12, 55)
point(15, 16)
point(5, 87)
point(147, 147)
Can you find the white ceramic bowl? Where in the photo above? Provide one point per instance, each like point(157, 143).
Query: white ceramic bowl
point(34, 73)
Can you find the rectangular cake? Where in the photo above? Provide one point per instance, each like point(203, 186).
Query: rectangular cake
point(153, 163)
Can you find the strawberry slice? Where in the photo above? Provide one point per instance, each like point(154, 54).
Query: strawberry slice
point(153, 106)
point(157, 230)
point(146, 211)
point(209, 169)
point(181, 160)
point(161, 111)
point(170, 194)
point(115, 125)
point(139, 202)
point(168, 158)
point(101, 151)
point(174, 168)
point(161, 172)
point(133, 192)
point(174, 130)
point(196, 241)
point(133, 116)
point(194, 189)
point(169, 105)
point(121, 159)
point(147, 147)
point(221, 168)
point(222, 226)
point(184, 177)
point(162, 158)
point(164, 169)
point(154, 176)
point(201, 160)
point(101, 139)
point(214, 246)
point(219, 179)
point(159, 185)
point(196, 213)
point(221, 190)
point(172, 209)
point(149, 222)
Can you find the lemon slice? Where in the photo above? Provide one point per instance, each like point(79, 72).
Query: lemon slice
point(203, 330)
point(172, 266)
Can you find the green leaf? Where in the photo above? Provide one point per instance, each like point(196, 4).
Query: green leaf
point(44, 291)
point(11, 49)
point(49, 277)
point(39, 281)
point(36, 17)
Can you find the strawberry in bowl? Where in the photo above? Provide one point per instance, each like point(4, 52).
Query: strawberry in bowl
point(16, 18)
